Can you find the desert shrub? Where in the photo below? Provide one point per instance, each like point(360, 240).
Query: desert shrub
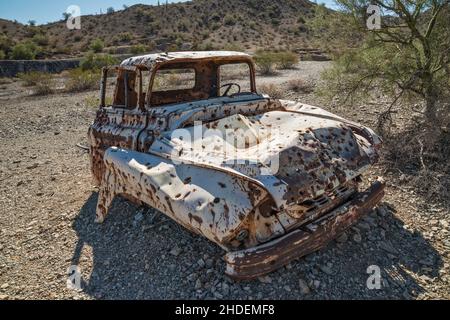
point(40, 39)
point(125, 36)
point(265, 61)
point(139, 48)
point(42, 82)
point(25, 51)
point(6, 43)
point(287, 59)
point(94, 61)
point(272, 90)
point(44, 88)
point(33, 78)
point(229, 20)
point(82, 80)
point(299, 85)
point(97, 45)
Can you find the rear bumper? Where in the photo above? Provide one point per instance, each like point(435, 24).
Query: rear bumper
point(263, 259)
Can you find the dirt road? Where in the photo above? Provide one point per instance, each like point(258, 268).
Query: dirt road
point(47, 211)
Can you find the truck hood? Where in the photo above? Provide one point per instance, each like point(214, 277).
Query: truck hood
point(295, 152)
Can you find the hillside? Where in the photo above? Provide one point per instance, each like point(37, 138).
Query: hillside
point(199, 24)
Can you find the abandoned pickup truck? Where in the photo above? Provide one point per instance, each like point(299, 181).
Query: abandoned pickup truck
point(267, 180)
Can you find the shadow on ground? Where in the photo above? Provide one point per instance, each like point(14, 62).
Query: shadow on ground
point(132, 260)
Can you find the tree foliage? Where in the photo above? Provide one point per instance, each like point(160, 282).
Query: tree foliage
point(407, 57)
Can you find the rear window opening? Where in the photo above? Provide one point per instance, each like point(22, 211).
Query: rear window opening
point(174, 79)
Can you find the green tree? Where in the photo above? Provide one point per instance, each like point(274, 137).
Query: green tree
point(408, 56)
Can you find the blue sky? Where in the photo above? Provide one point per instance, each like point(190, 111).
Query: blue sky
point(44, 11)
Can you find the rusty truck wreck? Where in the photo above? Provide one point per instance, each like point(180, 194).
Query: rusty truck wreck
point(286, 191)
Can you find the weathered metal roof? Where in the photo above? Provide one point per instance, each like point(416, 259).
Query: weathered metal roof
point(150, 60)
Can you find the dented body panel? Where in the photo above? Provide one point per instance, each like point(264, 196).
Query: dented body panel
point(246, 171)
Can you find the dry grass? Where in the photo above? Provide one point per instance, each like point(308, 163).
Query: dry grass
point(300, 86)
point(272, 90)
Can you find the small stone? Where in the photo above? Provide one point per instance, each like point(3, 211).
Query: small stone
point(342, 238)
point(287, 288)
point(304, 288)
point(192, 277)
point(201, 263)
point(316, 284)
point(382, 211)
point(217, 295)
point(209, 263)
point(4, 297)
point(357, 238)
point(5, 286)
point(139, 217)
point(225, 288)
point(33, 166)
point(176, 251)
point(326, 269)
point(198, 284)
point(265, 279)
point(364, 225)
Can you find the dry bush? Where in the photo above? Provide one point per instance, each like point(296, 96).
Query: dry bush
point(44, 88)
point(287, 59)
point(300, 86)
point(420, 157)
point(79, 80)
point(42, 82)
point(34, 78)
point(265, 62)
point(272, 90)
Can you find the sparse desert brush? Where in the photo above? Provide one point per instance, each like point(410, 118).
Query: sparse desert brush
point(94, 61)
point(272, 90)
point(97, 45)
point(287, 59)
point(82, 80)
point(299, 85)
point(34, 78)
point(137, 49)
point(44, 88)
point(265, 61)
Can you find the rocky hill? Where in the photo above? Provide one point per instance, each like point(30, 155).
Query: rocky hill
point(199, 24)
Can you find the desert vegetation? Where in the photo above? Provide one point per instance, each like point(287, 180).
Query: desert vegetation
point(403, 67)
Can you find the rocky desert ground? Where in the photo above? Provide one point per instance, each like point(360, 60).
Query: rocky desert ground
point(47, 212)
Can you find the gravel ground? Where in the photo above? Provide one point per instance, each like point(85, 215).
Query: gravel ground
point(47, 210)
